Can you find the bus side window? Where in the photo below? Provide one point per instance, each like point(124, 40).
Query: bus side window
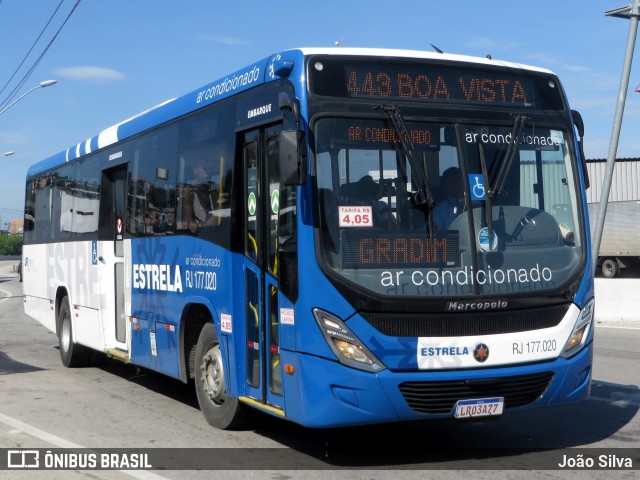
point(151, 192)
point(204, 178)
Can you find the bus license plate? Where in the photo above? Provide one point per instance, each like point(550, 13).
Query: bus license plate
point(479, 407)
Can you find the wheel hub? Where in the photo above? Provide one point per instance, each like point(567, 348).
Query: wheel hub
point(65, 334)
point(213, 375)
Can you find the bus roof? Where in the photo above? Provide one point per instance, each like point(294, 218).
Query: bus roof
point(384, 52)
point(257, 73)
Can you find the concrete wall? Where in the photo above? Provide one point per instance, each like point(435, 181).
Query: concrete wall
point(617, 299)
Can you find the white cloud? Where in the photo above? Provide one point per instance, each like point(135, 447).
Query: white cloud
point(91, 74)
point(577, 68)
point(12, 138)
point(492, 45)
point(222, 40)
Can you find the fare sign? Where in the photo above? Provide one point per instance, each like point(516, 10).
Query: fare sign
point(355, 216)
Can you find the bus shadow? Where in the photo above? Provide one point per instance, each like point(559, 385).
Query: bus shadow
point(9, 366)
point(161, 384)
point(516, 438)
point(520, 438)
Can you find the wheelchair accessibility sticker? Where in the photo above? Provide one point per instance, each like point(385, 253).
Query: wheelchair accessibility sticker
point(476, 185)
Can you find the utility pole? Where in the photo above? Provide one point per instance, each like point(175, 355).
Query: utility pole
point(631, 12)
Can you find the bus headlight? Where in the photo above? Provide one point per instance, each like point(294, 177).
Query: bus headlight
point(580, 332)
point(349, 350)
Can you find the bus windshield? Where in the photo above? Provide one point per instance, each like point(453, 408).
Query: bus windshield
point(501, 214)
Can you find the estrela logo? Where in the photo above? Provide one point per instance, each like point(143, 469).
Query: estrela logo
point(481, 353)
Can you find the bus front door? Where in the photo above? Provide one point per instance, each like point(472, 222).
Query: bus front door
point(110, 260)
point(262, 319)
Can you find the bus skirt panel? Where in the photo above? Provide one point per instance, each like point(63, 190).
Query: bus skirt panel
point(335, 395)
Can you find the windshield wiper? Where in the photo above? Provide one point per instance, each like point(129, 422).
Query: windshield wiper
point(496, 187)
point(423, 198)
point(488, 208)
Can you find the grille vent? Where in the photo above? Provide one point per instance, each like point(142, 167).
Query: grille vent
point(451, 324)
point(440, 397)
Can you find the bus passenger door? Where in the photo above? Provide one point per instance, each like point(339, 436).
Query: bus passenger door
point(111, 260)
point(261, 203)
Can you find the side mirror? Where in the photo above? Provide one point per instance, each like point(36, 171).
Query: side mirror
point(293, 158)
point(579, 123)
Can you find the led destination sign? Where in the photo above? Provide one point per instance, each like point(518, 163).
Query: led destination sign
point(366, 248)
point(374, 133)
point(434, 82)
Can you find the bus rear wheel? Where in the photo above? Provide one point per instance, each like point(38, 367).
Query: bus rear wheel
point(219, 409)
point(71, 354)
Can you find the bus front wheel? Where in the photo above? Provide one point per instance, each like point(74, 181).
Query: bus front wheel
point(219, 409)
point(71, 354)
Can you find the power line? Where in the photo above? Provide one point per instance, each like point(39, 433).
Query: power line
point(27, 56)
point(37, 62)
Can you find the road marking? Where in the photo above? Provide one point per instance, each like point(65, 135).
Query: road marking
point(7, 295)
point(62, 443)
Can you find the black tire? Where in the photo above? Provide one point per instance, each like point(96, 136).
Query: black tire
point(219, 409)
point(72, 354)
point(610, 268)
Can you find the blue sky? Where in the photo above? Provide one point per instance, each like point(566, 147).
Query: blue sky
point(115, 58)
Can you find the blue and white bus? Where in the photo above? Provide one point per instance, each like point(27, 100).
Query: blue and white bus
point(286, 237)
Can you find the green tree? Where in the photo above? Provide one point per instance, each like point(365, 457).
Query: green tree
point(10, 245)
